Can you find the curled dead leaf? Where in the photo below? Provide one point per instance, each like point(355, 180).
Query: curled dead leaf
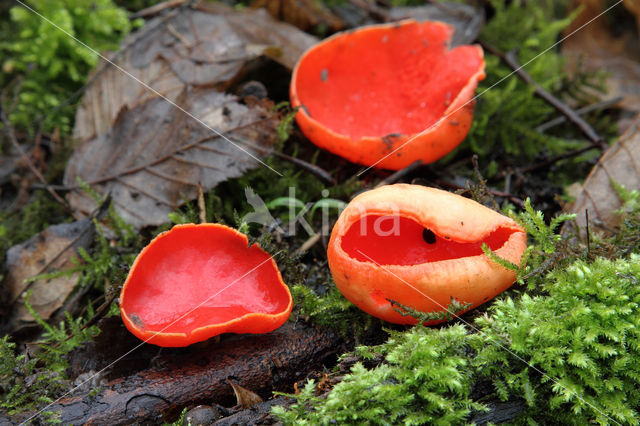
point(155, 154)
point(50, 250)
point(620, 164)
point(202, 46)
point(244, 396)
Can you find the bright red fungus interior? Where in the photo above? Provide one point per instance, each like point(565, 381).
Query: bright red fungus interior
point(208, 269)
point(397, 240)
point(385, 80)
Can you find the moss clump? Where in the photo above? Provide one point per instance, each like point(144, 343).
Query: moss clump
point(425, 380)
point(46, 66)
point(581, 344)
point(573, 356)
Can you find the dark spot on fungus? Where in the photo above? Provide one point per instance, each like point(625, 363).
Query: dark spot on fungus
point(461, 223)
point(306, 110)
point(226, 111)
point(453, 123)
point(136, 320)
point(324, 75)
point(135, 195)
point(428, 236)
point(389, 140)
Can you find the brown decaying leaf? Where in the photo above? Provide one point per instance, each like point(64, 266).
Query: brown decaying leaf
point(244, 396)
point(308, 15)
point(594, 47)
point(208, 45)
point(155, 155)
point(620, 163)
point(50, 250)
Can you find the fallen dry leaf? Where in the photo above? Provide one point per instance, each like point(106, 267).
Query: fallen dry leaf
point(155, 155)
point(50, 250)
point(594, 47)
point(244, 396)
point(620, 163)
point(205, 45)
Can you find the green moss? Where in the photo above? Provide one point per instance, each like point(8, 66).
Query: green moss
point(571, 351)
point(424, 380)
point(47, 65)
point(29, 381)
point(581, 345)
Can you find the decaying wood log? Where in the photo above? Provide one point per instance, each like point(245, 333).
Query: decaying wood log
point(262, 363)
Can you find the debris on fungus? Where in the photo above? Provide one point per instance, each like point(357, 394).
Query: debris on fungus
point(198, 281)
point(420, 247)
point(387, 95)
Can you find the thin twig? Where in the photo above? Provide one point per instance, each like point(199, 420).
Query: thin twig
point(312, 241)
point(14, 141)
point(584, 110)
point(549, 161)
point(393, 178)
point(586, 217)
point(311, 168)
point(510, 59)
point(493, 192)
point(156, 9)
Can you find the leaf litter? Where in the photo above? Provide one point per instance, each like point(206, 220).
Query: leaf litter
point(620, 165)
point(147, 154)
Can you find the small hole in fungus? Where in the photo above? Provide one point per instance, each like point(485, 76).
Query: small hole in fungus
point(428, 236)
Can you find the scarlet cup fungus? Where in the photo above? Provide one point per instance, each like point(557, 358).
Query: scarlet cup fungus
point(198, 281)
point(363, 94)
point(420, 247)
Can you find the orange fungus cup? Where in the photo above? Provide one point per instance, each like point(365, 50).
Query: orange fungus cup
point(198, 281)
point(387, 95)
point(420, 247)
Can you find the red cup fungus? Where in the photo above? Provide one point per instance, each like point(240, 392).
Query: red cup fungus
point(364, 94)
point(420, 247)
point(198, 281)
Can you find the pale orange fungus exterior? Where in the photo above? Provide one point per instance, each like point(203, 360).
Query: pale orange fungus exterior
point(420, 247)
